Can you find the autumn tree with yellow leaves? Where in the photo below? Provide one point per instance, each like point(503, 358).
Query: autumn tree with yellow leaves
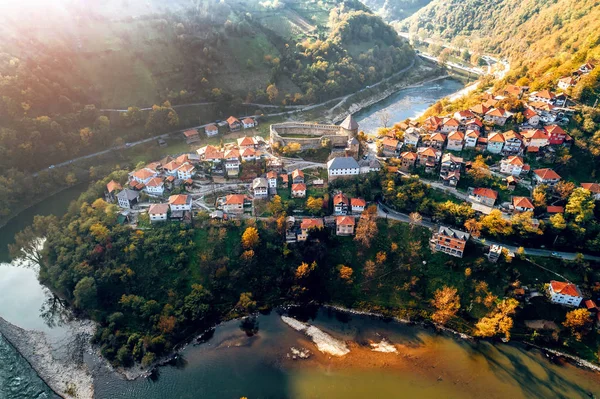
point(446, 301)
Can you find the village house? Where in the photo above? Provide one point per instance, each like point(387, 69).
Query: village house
point(111, 190)
point(186, 171)
point(211, 130)
point(298, 190)
point(412, 136)
point(512, 90)
point(344, 225)
point(390, 146)
point(522, 204)
point(297, 176)
point(437, 141)
point(143, 175)
point(566, 82)
point(497, 116)
point(246, 142)
point(593, 188)
point(471, 137)
point(463, 116)
point(456, 141)
point(155, 186)
point(532, 118)
point(495, 143)
point(232, 167)
point(260, 187)
point(171, 168)
point(586, 68)
point(535, 138)
point(158, 212)
point(307, 225)
point(485, 196)
point(451, 163)
point(564, 293)
point(234, 203)
point(407, 161)
point(180, 202)
point(449, 241)
point(340, 204)
point(285, 178)
point(249, 154)
point(234, 124)
point(546, 176)
point(342, 166)
point(357, 205)
point(127, 198)
point(513, 165)
point(542, 96)
point(428, 157)
point(556, 135)
point(451, 178)
point(191, 136)
point(248, 123)
point(272, 179)
point(449, 125)
point(369, 165)
point(480, 110)
point(554, 209)
point(433, 123)
point(513, 142)
point(473, 124)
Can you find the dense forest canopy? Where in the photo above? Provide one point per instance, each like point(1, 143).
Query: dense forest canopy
point(395, 10)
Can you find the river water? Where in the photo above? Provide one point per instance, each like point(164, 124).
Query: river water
point(236, 362)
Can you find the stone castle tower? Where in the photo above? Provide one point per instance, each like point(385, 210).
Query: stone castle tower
point(349, 127)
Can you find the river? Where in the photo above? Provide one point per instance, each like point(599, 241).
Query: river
point(235, 362)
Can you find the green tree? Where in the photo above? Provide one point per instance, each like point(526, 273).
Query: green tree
point(86, 293)
point(580, 207)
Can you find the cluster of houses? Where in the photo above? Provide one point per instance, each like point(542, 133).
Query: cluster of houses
point(229, 157)
point(212, 129)
point(567, 82)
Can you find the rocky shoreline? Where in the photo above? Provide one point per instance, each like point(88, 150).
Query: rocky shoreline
point(59, 364)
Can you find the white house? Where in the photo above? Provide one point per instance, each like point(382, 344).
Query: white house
point(357, 205)
point(143, 175)
point(234, 203)
point(564, 293)
point(128, 198)
point(542, 96)
point(546, 176)
point(471, 137)
point(246, 142)
point(495, 143)
point(586, 68)
point(248, 123)
point(260, 187)
point(186, 171)
point(211, 130)
point(272, 179)
point(566, 82)
point(298, 190)
point(180, 202)
point(535, 138)
point(512, 165)
point(531, 116)
point(344, 225)
point(456, 141)
point(155, 186)
point(522, 204)
point(340, 204)
point(342, 166)
point(593, 188)
point(249, 154)
point(158, 212)
point(512, 142)
point(449, 125)
point(497, 116)
point(412, 136)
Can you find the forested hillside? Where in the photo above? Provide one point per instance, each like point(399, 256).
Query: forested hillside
point(544, 39)
point(395, 10)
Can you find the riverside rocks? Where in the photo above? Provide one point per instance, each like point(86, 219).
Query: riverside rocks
point(65, 372)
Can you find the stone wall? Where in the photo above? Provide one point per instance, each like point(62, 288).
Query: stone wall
point(283, 133)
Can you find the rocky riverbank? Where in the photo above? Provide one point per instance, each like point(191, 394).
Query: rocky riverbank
point(59, 363)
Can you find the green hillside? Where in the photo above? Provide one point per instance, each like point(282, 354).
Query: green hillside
point(395, 10)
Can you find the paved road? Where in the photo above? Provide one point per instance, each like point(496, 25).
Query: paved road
point(402, 217)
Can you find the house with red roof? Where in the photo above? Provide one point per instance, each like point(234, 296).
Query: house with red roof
point(234, 203)
point(112, 188)
point(594, 188)
point(464, 115)
point(495, 143)
point(471, 137)
point(546, 176)
point(513, 142)
point(522, 204)
point(191, 136)
point(564, 293)
point(513, 165)
point(456, 141)
point(248, 123)
point(307, 225)
point(211, 130)
point(341, 204)
point(297, 176)
point(480, 109)
point(357, 205)
point(155, 186)
point(180, 202)
point(143, 175)
point(450, 125)
point(531, 117)
point(234, 124)
point(437, 141)
point(485, 196)
point(556, 135)
point(497, 116)
point(158, 212)
point(543, 96)
point(298, 190)
point(407, 160)
point(428, 157)
point(344, 225)
point(535, 138)
point(566, 82)
point(390, 146)
point(246, 142)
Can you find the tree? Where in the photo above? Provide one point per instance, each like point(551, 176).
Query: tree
point(272, 92)
point(473, 227)
point(276, 206)
point(28, 242)
point(366, 230)
point(539, 196)
point(314, 205)
point(384, 118)
point(494, 224)
point(132, 117)
point(246, 303)
point(564, 189)
point(579, 321)
point(447, 303)
point(196, 303)
point(86, 293)
point(479, 170)
point(345, 273)
point(580, 207)
point(162, 118)
point(498, 321)
point(250, 238)
point(304, 270)
point(370, 269)
point(414, 218)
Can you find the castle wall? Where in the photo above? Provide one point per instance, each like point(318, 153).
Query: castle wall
point(283, 133)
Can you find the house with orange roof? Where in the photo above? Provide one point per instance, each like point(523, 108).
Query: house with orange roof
point(180, 202)
point(284, 180)
point(485, 196)
point(472, 124)
point(407, 161)
point(143, 175)
point(556, 134)
point(513, 142)
point(307, 225)
point(158, 212)
point(513, 165)
point(522, 204)
point(456, 141)
point(497, 116)
point(554, 209)
point(171, 168)
point(390, 146)
point(344, 225)
point(299, 190)
point(428, 157)
point(535, 138)
point(272, 179)
point(155, 186)
point(246, 142)
point(186, 171)
point(191, 136)
point(594, 188)
point(211, 130)
point(437, 141)
point(111, 189)
point(357, 205)
point(249, 154)
point(341, 203)
point(495, 143)
point(234, 203)
point(471, 137)
point(543, 96)
point(480, 109)
point(464, 115)
point(566, 82)
point(234, 124)
point(546, 176)
point(433, 123)
point(297, 176)
point(449, 125)
point(512, 90)
point(248, 123)
point(564, 293)
point(531, 117)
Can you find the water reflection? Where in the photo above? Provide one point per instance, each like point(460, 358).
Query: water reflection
point(249, 325)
